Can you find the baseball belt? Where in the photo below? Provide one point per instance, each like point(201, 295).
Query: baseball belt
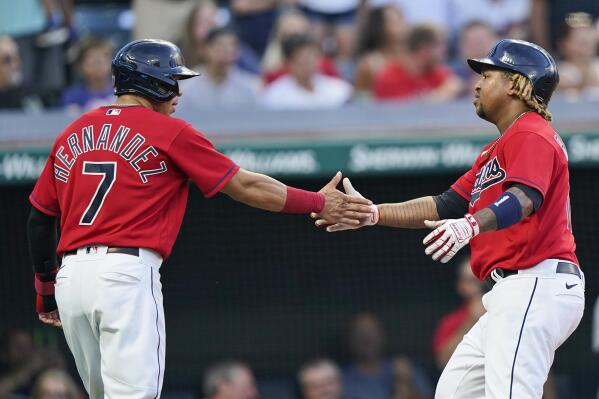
point(499, 273)
point(133, 251)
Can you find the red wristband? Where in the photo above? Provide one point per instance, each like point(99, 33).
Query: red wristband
point(45, 288)
point(301, 201)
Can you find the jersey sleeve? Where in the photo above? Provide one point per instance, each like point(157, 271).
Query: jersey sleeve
point(464, 185)
point(528, 159)
point(195, 155)
point(44, 196)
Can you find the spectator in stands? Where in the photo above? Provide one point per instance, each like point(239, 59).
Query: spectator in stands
point(383, 41)
point(421, 74)
point(289, 23)
point(548, 15)
point(453, 326)
point(579, 68)
point(372, 375)
point(230, 380)
point(304, 87)
point(254, 20)
point(95, 89)
point(55, 384)
point(404, 381)
point(435, 12)
point(158, 19)
point(320, 379)
point(475, 40)
point(222, 84)
point(204, 18)
point(505, 16)
point(339, 17)
point(41, 39)
point(21, 361)
point(12, 95)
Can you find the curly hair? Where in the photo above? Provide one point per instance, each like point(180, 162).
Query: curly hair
point(524, 91)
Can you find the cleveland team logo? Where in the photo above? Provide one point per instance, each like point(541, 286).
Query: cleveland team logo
point(490, 174)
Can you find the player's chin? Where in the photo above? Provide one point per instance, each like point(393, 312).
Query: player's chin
point(480, 111)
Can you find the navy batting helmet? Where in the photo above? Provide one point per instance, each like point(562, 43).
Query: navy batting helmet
point(527, 59)
point(149, 68)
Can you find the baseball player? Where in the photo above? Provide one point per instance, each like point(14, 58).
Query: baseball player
point(117, 178)
point(513, 208)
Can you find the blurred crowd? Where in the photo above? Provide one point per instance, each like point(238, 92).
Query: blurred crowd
point(34, 371)
point(287, 54)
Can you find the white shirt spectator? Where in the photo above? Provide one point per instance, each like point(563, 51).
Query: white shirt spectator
point(239, 89)
point(330, 6)
point(500, 14)
point(436, 12)
point(286, 93)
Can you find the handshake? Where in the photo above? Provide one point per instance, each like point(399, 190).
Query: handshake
point(350, 215)
point(351, 211)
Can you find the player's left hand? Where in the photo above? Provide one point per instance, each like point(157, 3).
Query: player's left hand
point(52, 318)
point(449, 236)
point(343, 208)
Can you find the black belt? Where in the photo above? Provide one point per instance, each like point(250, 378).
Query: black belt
point(111, 250)
point(499, 273)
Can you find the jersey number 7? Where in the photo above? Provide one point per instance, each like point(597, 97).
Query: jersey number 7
point(108, 172)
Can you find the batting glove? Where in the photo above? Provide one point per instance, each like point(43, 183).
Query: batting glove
point(371, 221)
point(449, 236)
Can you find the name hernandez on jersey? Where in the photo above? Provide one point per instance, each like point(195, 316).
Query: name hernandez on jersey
point(109, 139)
point(120, 177)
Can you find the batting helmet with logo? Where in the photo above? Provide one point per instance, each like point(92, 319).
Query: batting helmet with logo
point(150, 68)
point(527, 59)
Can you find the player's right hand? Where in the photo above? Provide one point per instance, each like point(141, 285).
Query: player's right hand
point(52, 318)
point(342, 208)
point(371, 220)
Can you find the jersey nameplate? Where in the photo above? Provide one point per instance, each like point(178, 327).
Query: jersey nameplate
point(128, 146)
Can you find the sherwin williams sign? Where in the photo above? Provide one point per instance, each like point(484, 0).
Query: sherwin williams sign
point(286, 159)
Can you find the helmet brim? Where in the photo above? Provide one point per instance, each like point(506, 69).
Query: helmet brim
point(183, 72)
point(478, 64)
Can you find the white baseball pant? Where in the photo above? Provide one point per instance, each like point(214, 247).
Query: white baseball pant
point(111, 309)
point(508, 353)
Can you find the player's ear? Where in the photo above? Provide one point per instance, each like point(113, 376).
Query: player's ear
point(509, 83)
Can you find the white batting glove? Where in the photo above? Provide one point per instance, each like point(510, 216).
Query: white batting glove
point(449, 236)
point(351, 191)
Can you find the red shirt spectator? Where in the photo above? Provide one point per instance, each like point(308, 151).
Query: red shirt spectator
point(448, 326)
point(395, 81)
point(421, 71)
point(453, 326)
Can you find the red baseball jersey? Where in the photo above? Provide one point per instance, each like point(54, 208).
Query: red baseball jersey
point(532, 153)
point(118, 176)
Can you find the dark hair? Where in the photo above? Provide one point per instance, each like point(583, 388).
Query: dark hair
point(218, 32)
point(477, 23)
point(422, 35)
point(92, 43)
point(188, 42)
point(295, 42)
point(373, 33)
